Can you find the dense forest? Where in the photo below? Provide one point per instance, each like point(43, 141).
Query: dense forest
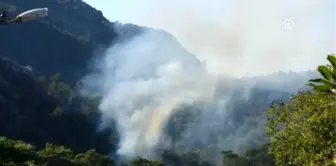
point(45, 120)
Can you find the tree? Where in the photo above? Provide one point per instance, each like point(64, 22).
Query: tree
point(144, 162)
point(259, 156)
point(93, 158)
point(60, 90)
point(328, 82)
point(253, 157)
point(15, 152)
point(303, 131)
point(20, 153)
point(233, 159)
point(53, 150)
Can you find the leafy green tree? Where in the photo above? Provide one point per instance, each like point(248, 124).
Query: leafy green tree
point(302, 132)
point(53, 150)
point(327, 84)
point(15, 152)
point(60, 90)
point(91, 157)
point(20, 153)
point(259, 156)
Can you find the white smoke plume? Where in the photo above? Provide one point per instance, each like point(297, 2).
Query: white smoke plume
point(144, 79)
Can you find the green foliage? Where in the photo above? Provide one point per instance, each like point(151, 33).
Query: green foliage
point(90, 106)
point(20, 153)
point(15, 151)
point(144, 162)
point(184, 157)
point(91, 157)
point(302, 132)
point(30, 114)
point(254, 156)
point(60, 90)
point(52, 150)
point(327, 84)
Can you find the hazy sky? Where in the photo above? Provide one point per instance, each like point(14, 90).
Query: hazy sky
point(122, 10)
point(138, 12)
point(227, 33)
point(134, 11)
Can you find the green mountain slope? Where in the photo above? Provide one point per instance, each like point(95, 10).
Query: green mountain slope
point(37, 110)
point(63, 42)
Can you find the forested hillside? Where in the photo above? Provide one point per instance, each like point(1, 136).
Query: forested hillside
point(53, 113)
point(63, 42)
point(41, 69)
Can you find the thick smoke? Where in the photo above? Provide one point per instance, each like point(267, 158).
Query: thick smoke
point(244, 37)
point(144, 79)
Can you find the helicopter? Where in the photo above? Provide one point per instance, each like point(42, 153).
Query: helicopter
point(30, 15)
